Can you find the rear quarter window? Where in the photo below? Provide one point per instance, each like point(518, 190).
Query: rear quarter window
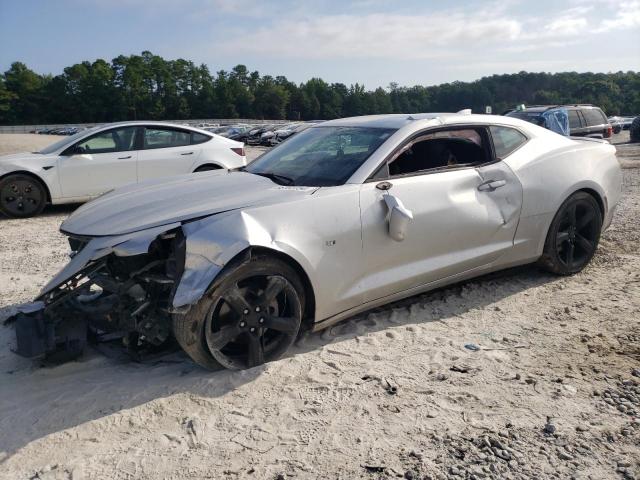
point(574, 119)
point(593, 116)
point(506, 140)
point(197, 138)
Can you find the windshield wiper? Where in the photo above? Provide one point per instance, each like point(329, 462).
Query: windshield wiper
point(279, 179)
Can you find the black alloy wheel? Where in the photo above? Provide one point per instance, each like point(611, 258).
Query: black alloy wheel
point(21, 196)
point(251, 316)
point(573, 236)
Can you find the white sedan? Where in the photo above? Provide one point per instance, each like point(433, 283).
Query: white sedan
point(92, 162)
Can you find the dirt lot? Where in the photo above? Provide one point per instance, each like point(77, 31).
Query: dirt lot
point(551, 393)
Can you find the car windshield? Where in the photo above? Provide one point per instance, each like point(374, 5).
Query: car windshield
point(533, 117)
point(66, 141)
point(320, 156)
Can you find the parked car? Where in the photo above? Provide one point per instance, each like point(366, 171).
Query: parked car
point(284, 132)
point(584, 120)
point(267, 135)
point(634, 130)
point(346, 216)
point(92, 162)
point(620, 123)
point(254, 136)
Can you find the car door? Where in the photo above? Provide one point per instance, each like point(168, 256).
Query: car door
point(465, 214)
point(166, 151)
point(99, 163)
point(577, 126)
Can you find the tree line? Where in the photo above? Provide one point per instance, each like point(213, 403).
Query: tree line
point(149, 87)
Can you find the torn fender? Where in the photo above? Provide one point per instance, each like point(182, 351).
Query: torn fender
point(136, 243)
point(210, 244)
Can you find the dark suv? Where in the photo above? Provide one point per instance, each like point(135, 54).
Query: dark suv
point(584, 120)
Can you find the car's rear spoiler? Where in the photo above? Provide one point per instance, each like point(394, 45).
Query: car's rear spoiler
point(590, 139)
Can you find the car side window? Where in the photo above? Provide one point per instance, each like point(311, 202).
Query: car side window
point(160, 137)
point(444, 149)
point(506, 140)
point(115, 140)
point(593, 116)
point(574, 119)
point(197, 138)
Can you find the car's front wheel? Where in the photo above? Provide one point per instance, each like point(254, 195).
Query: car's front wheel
point(21, 196)
point(251, 315)
point(573, 236)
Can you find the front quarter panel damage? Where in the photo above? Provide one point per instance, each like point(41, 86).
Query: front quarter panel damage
point(320, 232)
point(136, 243)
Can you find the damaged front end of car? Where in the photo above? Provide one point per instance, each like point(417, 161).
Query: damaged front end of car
point(113, 287)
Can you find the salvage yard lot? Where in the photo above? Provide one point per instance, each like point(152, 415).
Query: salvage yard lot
point(394, 392)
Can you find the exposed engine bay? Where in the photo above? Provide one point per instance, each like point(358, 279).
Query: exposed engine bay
point(112, 297)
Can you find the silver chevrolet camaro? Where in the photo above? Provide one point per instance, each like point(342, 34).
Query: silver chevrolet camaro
point(345, 216)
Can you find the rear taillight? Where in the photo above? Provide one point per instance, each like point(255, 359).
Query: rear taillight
point(239, 151)
point(609, 132)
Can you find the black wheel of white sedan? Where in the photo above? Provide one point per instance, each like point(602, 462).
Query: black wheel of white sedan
point(573, 236)
point(21, 196)
point(251, 315)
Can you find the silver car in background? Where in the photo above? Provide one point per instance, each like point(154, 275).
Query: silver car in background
point(348, 215)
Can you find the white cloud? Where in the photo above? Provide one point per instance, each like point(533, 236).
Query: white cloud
point(379, 35)
point(452, 32)
point(627, 16)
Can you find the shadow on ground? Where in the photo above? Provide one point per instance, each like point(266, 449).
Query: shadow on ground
point(97, 386)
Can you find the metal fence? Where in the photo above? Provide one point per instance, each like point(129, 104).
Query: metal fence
point(209, 121)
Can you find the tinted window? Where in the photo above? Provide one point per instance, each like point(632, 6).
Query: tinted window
point(199, 138)
point(533, 117)
point(593, 116)
point(116, 140)
point(574, 119)
point(439, 150)
point(165, 138)
point(506, 140)
point(320, 156)
point(65, 141)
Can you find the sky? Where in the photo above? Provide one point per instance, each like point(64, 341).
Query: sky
point(372, 42)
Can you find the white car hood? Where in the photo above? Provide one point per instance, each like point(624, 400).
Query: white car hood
point(163, 202)
point(24, 157)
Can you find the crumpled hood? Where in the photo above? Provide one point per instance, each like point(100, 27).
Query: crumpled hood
point(161, 202)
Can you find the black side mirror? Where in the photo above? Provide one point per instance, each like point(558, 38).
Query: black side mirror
point(75, 150)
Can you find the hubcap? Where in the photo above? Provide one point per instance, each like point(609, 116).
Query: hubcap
point(577, 235)
point(253, 321)
point(20, 197)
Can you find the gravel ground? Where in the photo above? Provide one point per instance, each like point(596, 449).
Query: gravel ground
point(553, 391)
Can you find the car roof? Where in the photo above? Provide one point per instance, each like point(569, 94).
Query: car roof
point(395, 120)
point(133, 123)
point(544, 108)
point(400, 120)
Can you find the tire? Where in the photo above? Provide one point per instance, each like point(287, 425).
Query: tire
point(206, 168)
point(21, 196)
point(634, 130)
point(573, 236)
point(228, 327)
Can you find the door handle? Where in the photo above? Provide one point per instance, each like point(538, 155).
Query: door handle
point(384, 185)
point(187, 153)
point(491, 185)
point(124, 158)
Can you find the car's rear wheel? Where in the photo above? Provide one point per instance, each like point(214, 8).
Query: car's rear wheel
point(251, 315)
point(21, 196)
point(573, 236)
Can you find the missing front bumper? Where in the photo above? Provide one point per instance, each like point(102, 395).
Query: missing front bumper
point(38, 338)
